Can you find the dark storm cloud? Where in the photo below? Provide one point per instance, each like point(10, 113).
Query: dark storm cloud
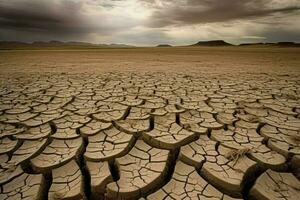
point(149, 21)
point(44, 16)
point(210, 11)
point(31, 20)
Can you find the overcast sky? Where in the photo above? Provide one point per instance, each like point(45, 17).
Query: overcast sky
point(150, 22)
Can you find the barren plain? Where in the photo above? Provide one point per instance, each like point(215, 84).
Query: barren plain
point(150, 123)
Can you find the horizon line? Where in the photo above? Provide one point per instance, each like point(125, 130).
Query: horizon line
point(154, 45)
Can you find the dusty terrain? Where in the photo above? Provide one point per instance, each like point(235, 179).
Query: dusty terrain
point(150, 123)
point(185, 59)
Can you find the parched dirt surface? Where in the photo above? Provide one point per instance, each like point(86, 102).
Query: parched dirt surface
point(154, 134)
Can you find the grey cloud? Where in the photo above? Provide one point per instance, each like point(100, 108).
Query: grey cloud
point(211, 11)
point(104, 21)
point(54, 20)
point(47, 16)
point(280, 34)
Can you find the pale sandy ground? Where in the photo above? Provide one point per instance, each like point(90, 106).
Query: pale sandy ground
point(150, 123)
point(153, 59)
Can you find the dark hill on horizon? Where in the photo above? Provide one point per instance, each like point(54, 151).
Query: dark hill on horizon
point(212, 43)
point(57, 44)
point(164, 45)
point(270, 44)
point(11, 45)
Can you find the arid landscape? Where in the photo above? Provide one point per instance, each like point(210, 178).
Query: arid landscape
point(150, 123)
point(149, 100)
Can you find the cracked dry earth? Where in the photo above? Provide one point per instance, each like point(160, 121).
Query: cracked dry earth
point(150, 136)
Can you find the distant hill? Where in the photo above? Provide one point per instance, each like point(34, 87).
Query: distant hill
point(251, 44)
point(56, 44)
point(163, 45)
point(212, 43)
point(279, 44)
point(10, 45)
point(59, 43)
point(288, 44)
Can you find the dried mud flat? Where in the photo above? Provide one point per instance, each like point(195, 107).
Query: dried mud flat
point(150, 135)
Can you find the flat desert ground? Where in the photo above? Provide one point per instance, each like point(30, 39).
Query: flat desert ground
point(150, 123)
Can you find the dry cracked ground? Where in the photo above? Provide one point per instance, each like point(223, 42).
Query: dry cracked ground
point(150, 135)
